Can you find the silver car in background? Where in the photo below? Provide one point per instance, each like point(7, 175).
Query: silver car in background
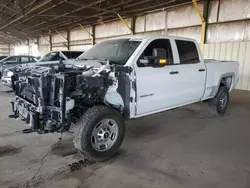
point(48, 59)
point(12, 61)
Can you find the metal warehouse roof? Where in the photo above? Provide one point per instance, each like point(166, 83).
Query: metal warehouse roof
point(23, 19)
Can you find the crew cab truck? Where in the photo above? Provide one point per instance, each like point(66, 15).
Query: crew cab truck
point(119, 79)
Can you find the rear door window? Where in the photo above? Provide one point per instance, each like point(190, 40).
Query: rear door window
point(24, 59)
point(188, 52)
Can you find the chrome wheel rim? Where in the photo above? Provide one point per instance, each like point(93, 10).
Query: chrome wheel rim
point(104, 134)
point(223, 101)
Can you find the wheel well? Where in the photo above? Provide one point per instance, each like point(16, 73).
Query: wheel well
point(226, 81)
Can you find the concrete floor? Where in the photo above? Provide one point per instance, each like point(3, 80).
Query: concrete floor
point(185, 147)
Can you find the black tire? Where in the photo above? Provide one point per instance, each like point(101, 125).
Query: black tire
point(85, 126)
point(215, 105)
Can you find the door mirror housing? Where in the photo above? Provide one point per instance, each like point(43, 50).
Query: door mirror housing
point(158, 58)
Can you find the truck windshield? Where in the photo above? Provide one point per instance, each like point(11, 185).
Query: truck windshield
point(117, 51)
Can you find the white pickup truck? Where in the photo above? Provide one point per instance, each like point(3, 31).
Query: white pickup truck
point(115, 80)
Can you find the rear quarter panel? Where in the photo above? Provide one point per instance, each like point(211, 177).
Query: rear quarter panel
point(216, 70)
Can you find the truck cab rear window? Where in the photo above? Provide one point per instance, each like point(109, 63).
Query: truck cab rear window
point(187, 52)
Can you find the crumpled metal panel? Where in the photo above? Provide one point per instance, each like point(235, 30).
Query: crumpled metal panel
point(183, 16)
point(234, 10)
point(156, 21)
point(140, 24)
point(80, 34)
point(44, 40)
point(114, 28)
point(56, 38)
point(233, 31)
point(188, 32)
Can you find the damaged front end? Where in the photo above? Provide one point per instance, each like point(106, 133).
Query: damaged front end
point(49, 99)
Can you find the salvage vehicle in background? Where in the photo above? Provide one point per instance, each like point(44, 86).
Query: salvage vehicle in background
point(47, 60)
point(12, 61)
point(57, 55)
point(119, 79)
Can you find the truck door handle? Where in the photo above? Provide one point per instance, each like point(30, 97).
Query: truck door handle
point(201, 70)
point(174, 72)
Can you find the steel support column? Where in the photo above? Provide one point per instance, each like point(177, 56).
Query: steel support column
point(205, 15)
point(38, 44)
point(92, 35)
point(50, 42)
point(68, 39)
point(133, 24)
point(126, 24)
point(203, 25)
point(9, 49)
point(28, 43)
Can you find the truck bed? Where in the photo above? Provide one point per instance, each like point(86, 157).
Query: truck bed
point(215, 71)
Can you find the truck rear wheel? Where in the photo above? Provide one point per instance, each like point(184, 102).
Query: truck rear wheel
point(219, 103)
point(99, 133)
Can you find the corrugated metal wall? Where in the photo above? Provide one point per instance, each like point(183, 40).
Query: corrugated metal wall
point(227, 21)
point(4, 49)
point(233, 51)
point(43, 45)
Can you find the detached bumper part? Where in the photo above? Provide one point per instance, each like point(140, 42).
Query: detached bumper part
point(31, 118)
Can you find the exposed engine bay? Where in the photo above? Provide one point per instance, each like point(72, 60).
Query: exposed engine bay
point(49, 99)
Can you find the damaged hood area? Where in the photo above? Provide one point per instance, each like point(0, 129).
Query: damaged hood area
point(69, 62)
point(51, 96)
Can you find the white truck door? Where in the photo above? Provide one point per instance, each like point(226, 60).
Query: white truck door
point(156, 87)
point(192, 72)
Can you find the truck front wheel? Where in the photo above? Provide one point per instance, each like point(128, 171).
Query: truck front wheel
point(99, 133)
point(219, 103)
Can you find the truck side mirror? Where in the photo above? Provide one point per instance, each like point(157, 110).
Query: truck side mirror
point(158, 58)
point(161, 56)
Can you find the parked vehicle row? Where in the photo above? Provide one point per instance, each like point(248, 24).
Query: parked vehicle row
point(10, 62)
point(119, 79)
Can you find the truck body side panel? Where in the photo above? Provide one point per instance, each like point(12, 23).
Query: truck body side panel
point(216, 71)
